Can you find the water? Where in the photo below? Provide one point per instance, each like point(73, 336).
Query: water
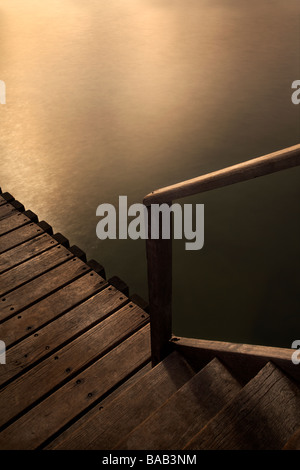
point(120, 98)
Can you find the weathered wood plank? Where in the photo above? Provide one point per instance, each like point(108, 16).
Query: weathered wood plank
point(40, 287)
point(51, 307)
point(33, 268)
point(119, 284)
point(18, 236)
point(135, 298)
point(5, 198)
point(263, 415)
point(15, 221)
point(7, 210)
point(63, 364)
point(11, 258)
point(47, 418)
point(97, 267)
point(245, 360)
point(59, 332)
point(90, 414)
point(173, 424)
point(105, 428)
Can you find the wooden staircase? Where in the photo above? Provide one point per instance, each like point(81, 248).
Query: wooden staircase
point(211, 410)
point(78, 372)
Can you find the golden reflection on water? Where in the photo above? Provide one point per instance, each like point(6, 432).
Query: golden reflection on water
point(122, 97)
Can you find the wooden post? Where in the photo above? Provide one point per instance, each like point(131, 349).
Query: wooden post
point(159, 258)
point(159, 252)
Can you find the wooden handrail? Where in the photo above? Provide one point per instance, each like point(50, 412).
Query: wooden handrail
point(250, 169)
point(159, 251)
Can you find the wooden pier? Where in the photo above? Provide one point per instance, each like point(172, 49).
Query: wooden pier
point(79, 373)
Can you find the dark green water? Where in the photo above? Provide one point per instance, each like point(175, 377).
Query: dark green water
point(120, 98)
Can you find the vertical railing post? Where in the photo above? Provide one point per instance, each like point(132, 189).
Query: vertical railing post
point(159, 260)
point(159, 251)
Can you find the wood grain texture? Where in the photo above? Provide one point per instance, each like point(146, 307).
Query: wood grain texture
point(183, 415)
point(11, 223)
point(46, 310)
point(7, 210)
point(60, 331)
point(19, 236)
point(33, 268)
point(263, 415)
point(26, 251)
point(99, 406)
point(104, 429)
point(40, 287)
point(48, 417)
point(68, 360)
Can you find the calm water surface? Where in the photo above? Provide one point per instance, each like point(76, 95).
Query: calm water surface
point(123, 97)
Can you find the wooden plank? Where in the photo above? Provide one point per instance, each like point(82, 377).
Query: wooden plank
point(15, 221)
point(135, 298)
point(18, 236)
point(263, 415)
point(267, 164)
point(245, 360)
point(6, 210)
point(90, 414)
point(119, 284)
point(173, 424)
point(30, 320)
point(40, 287)
point(26, 251)
point(105, 428)
point(5, 198)
point(33, 268)
point(59, 332)
point(97, 267)
point(66, 362)
point(47, 418)
point(159, 264)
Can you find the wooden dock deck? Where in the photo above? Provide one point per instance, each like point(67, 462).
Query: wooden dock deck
point(78, 371)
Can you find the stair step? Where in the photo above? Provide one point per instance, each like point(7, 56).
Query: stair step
point(263, 416)
point(130, 408)
point(173, 424)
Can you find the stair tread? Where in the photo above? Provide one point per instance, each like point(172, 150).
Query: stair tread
point(103, 430)
point(173, 424)
point(263, 415)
